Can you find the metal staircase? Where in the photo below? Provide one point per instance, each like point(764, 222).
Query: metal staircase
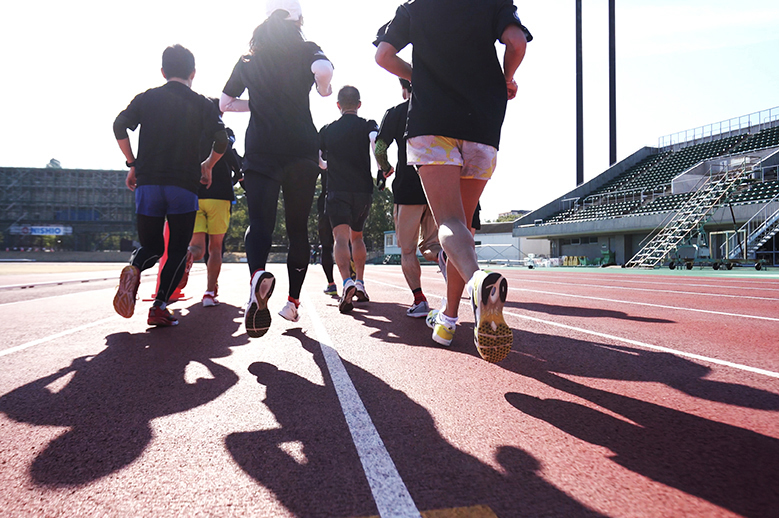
point(690, 216)
point(754, 233)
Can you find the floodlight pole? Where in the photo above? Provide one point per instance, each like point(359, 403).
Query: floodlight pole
point(579, 99)
point(612, 85)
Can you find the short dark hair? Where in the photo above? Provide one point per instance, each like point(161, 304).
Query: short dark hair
point(178, 61)
point(406, 84)
point(349, 98)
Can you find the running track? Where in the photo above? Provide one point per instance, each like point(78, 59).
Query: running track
point(626, 394)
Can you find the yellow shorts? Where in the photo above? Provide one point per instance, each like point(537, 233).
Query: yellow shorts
point(476, 160)
point(213, 217)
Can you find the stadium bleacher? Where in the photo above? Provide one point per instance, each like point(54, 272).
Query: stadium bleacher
point(654, 174)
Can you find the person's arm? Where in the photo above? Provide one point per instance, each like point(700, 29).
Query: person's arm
point(516, 43)
point(380, 152)
point(323, 74)
point(388, 59)
point(121, 125)
point(217, 150)
point(233, 104)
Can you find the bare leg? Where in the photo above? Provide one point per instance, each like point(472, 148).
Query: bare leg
point(214, 265)
point(343, 256)
point(359, 253)
point(451, 198)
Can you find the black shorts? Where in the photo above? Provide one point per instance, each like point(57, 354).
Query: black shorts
point(348, 208)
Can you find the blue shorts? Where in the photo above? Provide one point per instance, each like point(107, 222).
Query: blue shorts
point(158, 200)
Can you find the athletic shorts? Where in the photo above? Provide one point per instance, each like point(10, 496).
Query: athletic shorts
point(476, 160)
point(213, 217)
point(157, 201)
point(348, 208)
point(414, 225)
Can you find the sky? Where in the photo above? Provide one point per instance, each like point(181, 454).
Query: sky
point(68, 68)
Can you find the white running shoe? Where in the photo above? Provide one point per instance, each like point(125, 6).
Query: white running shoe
point(257, 318)
point(360, 294)
point(418, 310)
point(290, 312)
point(345, 305)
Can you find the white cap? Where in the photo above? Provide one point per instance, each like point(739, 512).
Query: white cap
point(291, 6)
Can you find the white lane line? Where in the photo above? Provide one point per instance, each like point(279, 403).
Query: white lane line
point(11, 350)
point(716, 361)
point(674, 282)
point(389, 491)
point(721, 313)
point(39, 299)
point(646, 346)
point(654, 290)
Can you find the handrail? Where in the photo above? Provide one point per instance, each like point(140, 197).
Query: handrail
point(758, 221)
point(735, 126)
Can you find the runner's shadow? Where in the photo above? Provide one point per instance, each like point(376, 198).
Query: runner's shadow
point(109, 399)
point(562, 355)
point(575, 311)
point(312, 466)
point(731, 467)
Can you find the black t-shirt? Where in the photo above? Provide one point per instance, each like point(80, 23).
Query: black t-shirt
point(172, 118)
point(279, 87)
point(406, 187)
point(345, 145)
point(222, 173)
point(459, 88)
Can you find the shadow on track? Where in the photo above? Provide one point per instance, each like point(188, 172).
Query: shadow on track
point(324, 478)
point(731, 467)
point(112, 396)
point(576, 311)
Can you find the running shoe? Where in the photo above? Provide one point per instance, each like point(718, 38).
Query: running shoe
point(124, 300)
point(491, 334)
point(442, 262)
point(331, 290)
point(290, 312)
point(418, 310)
point(361, 295)
point(187, 268)
point(257, 318)
point(345, 304)
point(161, 317)
point(210, 300)
point(443, 333)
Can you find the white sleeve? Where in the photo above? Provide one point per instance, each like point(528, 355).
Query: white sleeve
point(323, 73)
point(232, 104)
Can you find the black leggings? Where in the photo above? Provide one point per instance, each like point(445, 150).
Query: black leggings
point(262, 195)
point(152, 238)
point(326, 240)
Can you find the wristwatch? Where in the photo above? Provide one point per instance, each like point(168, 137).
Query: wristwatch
point(130, 164)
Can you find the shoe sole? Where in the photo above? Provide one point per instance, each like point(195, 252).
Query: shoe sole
point(361, 296)
point(257, 319)
point(492, 336)
point(187, 267)
point(417, 315)
point(124, 300)
point(345, 305)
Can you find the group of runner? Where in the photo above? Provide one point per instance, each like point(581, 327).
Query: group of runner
point(448, 131)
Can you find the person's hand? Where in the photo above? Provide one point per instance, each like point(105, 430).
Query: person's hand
point(205, 173)
point(511, 88)
point(130, 180)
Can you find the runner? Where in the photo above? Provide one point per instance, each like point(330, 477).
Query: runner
point(213, 218)
point(281, 152)
point(453, 131)
point(346, 146)
point(414, 223)
point(166, 176)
